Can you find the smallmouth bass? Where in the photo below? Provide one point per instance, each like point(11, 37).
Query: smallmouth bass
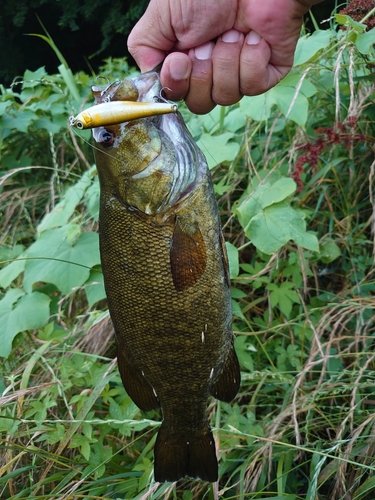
point(166, 278)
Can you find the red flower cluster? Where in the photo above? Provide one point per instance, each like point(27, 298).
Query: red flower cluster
point(342, 135)
point(357, 9)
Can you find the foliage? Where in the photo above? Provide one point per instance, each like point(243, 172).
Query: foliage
point(294, 174)
point(89, 31)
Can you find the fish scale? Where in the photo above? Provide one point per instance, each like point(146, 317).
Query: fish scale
point(166, 278)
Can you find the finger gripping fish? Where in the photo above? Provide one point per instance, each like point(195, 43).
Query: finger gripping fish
point(166, 278)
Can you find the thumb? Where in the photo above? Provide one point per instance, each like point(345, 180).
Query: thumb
point(151, 38)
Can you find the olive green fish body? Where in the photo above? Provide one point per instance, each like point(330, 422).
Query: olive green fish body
point(166, 279)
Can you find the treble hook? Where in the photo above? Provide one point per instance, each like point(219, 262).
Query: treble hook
point(102, 76)
point(107, 96)
point(160, 97)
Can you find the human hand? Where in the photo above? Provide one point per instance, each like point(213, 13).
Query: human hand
point(217, 51)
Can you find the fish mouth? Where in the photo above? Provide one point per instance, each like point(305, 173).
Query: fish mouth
point(148, 86)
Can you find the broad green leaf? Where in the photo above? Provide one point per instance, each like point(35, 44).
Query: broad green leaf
point(54, 258)
point(329, 251)
point(10, 161)
point(47, 124)
point(274, 293)
point(251, 205)
point(283, 296)
point(365, 42)
point(7, 253)
point(44, 248)
point(62, 212)
point(218, 148)
point(243, 352)
point(258, 107)
point(10, 426)
point(300, 236)
point(93, 198)
point(278, 191)
point(285, 305)
point(272, 228)
point(293, 80)
point(11, 272)
point(85, 449)
point(115, 411)
point(308, 46)
point(33, 78)
point(94, 287)
point(10, 298)
point(235, 120)
point(19, 312)
point(211, 120)
point(236, 293)
point(266, 194)
point(233, 260)
point(293, 105)
point(4, 105)
point(236, 310)
point(54, 436)
point(345, 20)
point(47, 104)
point(19, 120)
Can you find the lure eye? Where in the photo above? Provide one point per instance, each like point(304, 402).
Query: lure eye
point(106, 137)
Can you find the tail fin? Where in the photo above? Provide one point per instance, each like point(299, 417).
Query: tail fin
point(179, 456)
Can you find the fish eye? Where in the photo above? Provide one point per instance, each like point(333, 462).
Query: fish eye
point(106, 137)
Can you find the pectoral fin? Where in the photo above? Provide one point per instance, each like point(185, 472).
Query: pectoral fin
point(187, 254)
point(226, 386)
point(136, 385)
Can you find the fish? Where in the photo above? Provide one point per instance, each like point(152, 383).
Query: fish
point(166, 278)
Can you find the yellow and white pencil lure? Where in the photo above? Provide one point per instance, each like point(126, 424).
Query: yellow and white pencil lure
point(115, 112)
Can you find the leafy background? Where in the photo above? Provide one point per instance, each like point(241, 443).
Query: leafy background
point(294, 173)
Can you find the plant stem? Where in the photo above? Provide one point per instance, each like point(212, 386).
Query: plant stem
point(369, 14)
point(313, 20)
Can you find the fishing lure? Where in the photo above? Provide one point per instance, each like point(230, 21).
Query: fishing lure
point(115, 112)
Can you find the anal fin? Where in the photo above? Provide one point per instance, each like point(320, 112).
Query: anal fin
point(136, 385)
point(226, 386)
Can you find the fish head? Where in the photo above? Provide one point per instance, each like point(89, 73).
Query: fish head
point(149, 163)
point(123, 90)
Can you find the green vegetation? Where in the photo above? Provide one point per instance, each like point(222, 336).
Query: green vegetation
point(88, 32)
point(294, 172)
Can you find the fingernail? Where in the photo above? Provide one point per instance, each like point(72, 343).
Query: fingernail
point(230, 36)
point(204, 51)
point(253, 38)
point(179, 69)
